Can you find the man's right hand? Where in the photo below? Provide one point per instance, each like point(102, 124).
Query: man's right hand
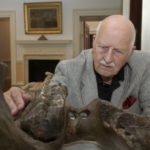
point(16, 98)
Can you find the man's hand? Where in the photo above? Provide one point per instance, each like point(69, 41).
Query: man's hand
point(16, 98)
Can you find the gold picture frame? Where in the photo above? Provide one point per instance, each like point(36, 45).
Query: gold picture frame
point(43, 17)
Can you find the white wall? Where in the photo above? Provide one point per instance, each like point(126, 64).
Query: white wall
point(68, 6)
point(146, 26)
point(126, 8)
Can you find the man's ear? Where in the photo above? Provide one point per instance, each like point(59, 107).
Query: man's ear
point(131, 51)
point(133, 48)
point(94, 42)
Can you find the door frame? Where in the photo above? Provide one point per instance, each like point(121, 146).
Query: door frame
point(126, 8)
point(12, 16)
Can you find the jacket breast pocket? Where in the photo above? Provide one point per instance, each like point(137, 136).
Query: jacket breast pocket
point(131, 104)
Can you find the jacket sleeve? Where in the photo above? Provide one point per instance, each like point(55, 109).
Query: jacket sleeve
point(144, 93)
point(60, 75)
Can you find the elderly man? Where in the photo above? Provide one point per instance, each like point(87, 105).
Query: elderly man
point(111, 71)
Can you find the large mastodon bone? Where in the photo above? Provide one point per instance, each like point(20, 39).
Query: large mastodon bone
point(48, 124)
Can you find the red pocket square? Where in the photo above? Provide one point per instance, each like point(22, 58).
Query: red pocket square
point(128, 102)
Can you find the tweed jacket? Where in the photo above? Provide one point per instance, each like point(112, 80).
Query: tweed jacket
point(79, 77)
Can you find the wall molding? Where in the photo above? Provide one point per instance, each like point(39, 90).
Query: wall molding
point(126, 8)
point(53, 42)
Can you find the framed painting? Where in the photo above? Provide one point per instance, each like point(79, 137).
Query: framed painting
point(43, 17)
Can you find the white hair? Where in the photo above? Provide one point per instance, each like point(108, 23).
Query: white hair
point(133, 38)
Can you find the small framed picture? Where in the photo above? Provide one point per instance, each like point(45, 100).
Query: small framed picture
point(42, 18)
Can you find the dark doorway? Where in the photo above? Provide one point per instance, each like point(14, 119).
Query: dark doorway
point(136, 18)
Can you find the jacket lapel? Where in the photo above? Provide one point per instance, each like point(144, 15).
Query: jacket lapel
point(88, 84)
point(88, 88)
point(119, 94)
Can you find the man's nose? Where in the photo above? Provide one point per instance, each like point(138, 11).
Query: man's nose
point(109, 56)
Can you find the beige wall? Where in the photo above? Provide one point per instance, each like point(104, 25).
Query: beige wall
point(4, 39)
point(19, 72)
point(5, 48)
